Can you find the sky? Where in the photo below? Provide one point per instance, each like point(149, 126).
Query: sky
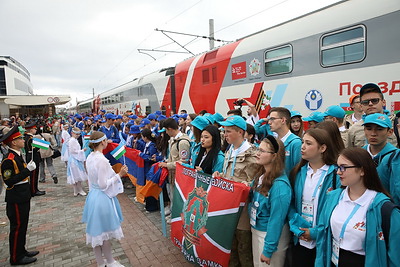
point(75, 47)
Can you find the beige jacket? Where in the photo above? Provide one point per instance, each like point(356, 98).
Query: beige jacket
point(176, 154)
point(47, 153)
point(356, 136)
point(245, 171)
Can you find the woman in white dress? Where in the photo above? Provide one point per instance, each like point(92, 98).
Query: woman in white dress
point(102, 212)
point(65, 136)
point(76, 172)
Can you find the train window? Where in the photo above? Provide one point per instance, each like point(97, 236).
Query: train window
point(278, 60)
point(214, 74)
point(206, 76)
point(343, 47)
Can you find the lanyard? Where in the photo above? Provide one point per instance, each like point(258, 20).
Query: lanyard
point(319, 184)
point(234, 159)
point(355, 209)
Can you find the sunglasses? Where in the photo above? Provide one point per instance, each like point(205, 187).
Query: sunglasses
point(374, 101)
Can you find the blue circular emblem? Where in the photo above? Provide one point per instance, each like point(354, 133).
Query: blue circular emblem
point(313, 100)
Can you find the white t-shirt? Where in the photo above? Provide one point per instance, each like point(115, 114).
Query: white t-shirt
point(354, 235)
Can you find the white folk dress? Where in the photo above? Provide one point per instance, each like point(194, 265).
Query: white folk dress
point(75, 169)
point(102, 212)
point(65, 136)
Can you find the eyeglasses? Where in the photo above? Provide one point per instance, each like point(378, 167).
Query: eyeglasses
point(273, 118)
point(343, 168)
point(260, 150)
point(374, 101)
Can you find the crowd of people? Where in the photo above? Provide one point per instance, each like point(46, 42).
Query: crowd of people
point(324, 196)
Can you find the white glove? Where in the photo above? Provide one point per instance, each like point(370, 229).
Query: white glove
point(31, 166)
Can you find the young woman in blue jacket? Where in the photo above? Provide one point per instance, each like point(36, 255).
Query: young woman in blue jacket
point(313, 177)
point(270, 198)
point(209, 158)
point(350, 231)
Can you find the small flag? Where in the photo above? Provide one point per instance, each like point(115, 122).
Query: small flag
point(118, 152)
point(39, 143)
point(86, 137)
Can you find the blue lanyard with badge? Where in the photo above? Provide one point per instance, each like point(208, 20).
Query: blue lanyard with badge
point(336, 243)
point(234, 159)
point(307, 207)
point(254, 207)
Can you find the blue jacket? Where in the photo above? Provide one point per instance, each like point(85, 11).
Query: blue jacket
point(375, 248)
point(112, 133)
point(389, 174)
point(276, 204)
point(295, 219)
point(384, 152)
point(147, 155)
point(293, 152)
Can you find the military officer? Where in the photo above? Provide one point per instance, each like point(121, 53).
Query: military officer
point(15, 173)
point(35, 155)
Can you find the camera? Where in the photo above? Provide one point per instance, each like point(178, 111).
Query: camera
point(239, 102)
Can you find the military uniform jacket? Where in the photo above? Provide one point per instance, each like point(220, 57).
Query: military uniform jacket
point(15, 176)
point(28, 150)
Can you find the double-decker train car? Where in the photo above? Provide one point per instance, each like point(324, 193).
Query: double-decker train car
point(140, 96)
point(305, 64)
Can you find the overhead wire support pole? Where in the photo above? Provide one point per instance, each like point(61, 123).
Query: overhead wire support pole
point(176, 42)
point(194, 35)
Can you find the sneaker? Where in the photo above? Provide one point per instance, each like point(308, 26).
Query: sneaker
point(115, 264)
point(167, 211)
point(169, 220)
point(42, 180)
point(55, 179)
point(82, 193)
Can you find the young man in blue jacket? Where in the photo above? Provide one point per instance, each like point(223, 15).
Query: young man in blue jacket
point(279, 122)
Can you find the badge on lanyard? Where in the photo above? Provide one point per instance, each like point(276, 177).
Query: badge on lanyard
point(253, 213)
point(307, 211)
point(335, 252)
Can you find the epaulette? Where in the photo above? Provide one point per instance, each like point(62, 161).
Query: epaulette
point(11, 156)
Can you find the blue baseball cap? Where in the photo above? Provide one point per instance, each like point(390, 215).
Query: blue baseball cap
point(133, 116)
point(103, 121)
point(103, 110)
point(183, 116)
point(161, 117)
point(110, 116)
point(158, 112)
point(151, 116)
point(144, 122)
point(315, 116)
point(200, 122)
point(234, 120)
point(118, 117)
point(78, 116)
point(295, 113)
point(335, 111)
point(134, 129)
point(209, 117)
point(218, 117)
point(378, 119)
